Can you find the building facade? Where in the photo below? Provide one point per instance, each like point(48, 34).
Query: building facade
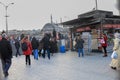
point(95, 22)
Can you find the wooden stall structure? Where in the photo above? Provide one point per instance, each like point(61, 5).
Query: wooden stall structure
point(95, 22)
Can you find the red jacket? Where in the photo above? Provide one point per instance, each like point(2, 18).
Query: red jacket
point(105, 39)
point(29, 50)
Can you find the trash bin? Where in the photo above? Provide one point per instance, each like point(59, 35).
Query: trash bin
point(62, 46)
point(62, 49)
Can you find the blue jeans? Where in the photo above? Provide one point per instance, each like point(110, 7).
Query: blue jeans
point(48, 53)
point(6, 63)
point(80, 51)
point(35, 52)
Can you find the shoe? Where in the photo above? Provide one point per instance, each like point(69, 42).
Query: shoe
point(114, 68)
point(6, 74)
point(29, 64)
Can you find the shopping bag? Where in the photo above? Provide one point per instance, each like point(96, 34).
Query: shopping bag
point(42, 51)
point(102, 41)
point(114, 55)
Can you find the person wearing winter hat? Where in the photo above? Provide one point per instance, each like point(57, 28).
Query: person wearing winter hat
point(6, 54)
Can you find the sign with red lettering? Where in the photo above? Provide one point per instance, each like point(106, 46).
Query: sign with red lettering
point(111, 26)
point(83, 29)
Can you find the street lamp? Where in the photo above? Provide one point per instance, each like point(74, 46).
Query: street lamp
point(6, 16)
point(96, 4)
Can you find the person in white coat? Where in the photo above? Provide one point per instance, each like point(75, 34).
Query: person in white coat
point(115, 63)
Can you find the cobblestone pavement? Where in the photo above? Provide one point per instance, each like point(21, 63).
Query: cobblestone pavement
point(62, 66)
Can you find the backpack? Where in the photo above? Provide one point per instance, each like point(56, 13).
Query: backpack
point(24, 46)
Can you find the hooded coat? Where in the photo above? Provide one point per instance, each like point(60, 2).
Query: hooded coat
point(29, 50)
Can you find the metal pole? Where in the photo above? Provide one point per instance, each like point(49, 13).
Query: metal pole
point(6, 7)
point(101, 28)
point(6, 16)
point(118, 6)
point(96, 5)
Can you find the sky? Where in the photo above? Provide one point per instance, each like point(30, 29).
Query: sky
point(34, 14)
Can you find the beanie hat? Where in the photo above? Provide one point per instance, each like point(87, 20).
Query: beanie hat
point(4, 35)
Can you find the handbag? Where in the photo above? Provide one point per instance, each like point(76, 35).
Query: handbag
point(102, 41)
point(114, 55)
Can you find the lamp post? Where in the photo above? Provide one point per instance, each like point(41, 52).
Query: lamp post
point(96, 4)
point(6, 16)
point(118, 6)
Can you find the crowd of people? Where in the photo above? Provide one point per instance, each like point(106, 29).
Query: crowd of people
point(46, 46)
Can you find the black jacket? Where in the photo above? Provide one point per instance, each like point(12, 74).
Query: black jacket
point(79, 43)
point(34, 43)
point(5, 49)
point(46, 42)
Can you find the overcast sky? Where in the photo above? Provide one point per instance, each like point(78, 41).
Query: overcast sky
point(34, 14)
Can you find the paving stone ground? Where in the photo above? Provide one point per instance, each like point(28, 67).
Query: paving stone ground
point(62, 66)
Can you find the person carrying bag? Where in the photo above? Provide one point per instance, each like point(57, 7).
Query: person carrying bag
point(115, 63)
point(114, 55)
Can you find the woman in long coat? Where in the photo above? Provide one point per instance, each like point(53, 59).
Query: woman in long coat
point(115, 63)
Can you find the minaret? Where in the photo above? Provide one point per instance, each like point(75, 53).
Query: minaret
point(60, 20)
point(51, 19)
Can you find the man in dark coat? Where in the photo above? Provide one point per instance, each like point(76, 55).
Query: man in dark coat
point(80, 45)
point(6, 54)
point(46, 45)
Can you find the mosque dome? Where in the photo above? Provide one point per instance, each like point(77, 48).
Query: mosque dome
point(49, 27)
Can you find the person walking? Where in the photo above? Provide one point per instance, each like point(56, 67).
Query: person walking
point(40, 47)
point(104, 44)
point(35, 45)
point(27, 49)
point(79, 46)
point(46, 46)
point(53, 46)
point(6, 54)
point(115, 63)
point(17, 46)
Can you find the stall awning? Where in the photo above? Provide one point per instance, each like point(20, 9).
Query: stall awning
point(77, 21)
